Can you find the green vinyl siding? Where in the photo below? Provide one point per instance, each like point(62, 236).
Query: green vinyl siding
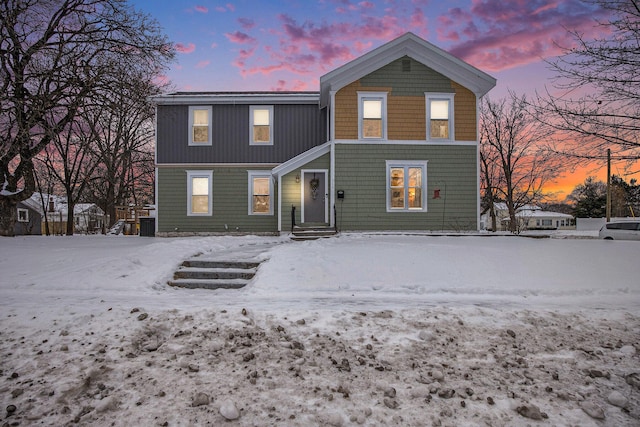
point(230, 199)
point(291, 194)
point(415, 82)
point(361, 173)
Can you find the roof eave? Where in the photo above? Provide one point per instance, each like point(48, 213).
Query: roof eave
point(413, 46)
point(301, 159)
point(240, 98)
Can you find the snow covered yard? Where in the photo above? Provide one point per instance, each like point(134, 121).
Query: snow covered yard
point(356, 330)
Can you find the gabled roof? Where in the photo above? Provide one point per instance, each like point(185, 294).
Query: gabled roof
point(33, 203)
point(301, 159)
point(413, 46)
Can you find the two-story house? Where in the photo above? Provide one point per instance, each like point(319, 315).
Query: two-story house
point(389, 142)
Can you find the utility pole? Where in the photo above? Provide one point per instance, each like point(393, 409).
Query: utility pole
point(608, 184)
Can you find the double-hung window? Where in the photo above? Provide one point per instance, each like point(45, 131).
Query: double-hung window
point(439, 116)
point(200, 125)
point(261, 119)
point(260, 193)
point(406, 186)
point(372, 115)
point(199, 193)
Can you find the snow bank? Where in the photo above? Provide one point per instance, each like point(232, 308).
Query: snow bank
point(355, 330)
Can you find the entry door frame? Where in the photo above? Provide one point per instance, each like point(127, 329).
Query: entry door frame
point(303, 190)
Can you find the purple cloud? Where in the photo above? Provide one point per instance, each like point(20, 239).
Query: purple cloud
point(246, 23)
point(240, 37)
point(495, 37)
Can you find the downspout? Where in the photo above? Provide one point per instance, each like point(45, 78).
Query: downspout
point(279, 203)
point(157, 212)
point(478, 168)
point(332, 162)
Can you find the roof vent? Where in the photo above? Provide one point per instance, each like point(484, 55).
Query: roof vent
point(406, 65)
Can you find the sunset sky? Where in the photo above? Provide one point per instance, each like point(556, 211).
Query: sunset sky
point(243, 45)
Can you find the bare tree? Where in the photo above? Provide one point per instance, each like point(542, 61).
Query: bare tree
point(122, 124)
point(68, 158)
point(596, 104)
point(490, 180)
point(511, 141)
point(53, 55)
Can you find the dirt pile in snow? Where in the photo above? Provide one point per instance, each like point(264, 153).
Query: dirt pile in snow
point(429, 367)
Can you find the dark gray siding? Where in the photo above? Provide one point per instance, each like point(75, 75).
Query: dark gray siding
point(297, 128)
point(34, 226)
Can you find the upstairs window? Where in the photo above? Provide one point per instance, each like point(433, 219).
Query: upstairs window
point(439, 116)
point(200, 125)
point(199, 193)
point(372, 115)
point(406, 183)
point(260, 193)
point(261, 119)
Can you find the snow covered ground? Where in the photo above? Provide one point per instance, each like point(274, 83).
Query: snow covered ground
point(362, 329)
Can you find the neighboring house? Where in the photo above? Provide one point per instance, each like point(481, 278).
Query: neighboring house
point(88, 218)
point(530, 217)
point(29, 218)
point(389, 142)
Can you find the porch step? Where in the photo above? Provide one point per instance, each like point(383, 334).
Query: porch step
point(210, 274)
point(312, 233)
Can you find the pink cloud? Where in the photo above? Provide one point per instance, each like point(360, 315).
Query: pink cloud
point(182, 48)
point(202, 64)
point(494, 37)
point(309, 48)
point(240, 37)
point(331, 42)
point(246, 23)
point(418, 20)
point(201, 9)
point(295, 86)
point(243, 56)
point(226, 8)
point(487, 34)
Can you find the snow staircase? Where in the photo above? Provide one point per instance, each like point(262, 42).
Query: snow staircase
point(117, 227)
point(210, 274)
point(312, 233)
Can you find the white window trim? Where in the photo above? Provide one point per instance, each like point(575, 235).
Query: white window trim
point(259, 174)
point(210, 116)
point(26, 215)
point(199, 174)
point(252, 108)
point(372, 95)
point(434, 96)
point(404, 164)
